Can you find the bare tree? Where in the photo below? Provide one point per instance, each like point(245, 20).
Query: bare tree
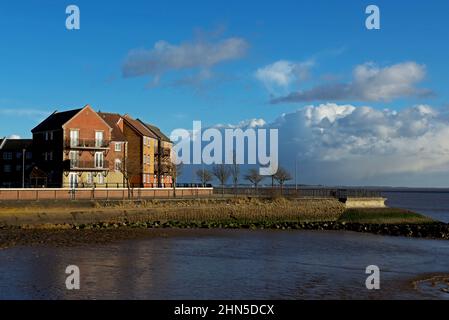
point(222, 173)
point(174, 171)
point(282, 176)
point(235, 172)
point(204, 176)
point(128, 176)
point(254, 177)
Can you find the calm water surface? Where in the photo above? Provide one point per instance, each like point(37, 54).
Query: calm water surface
point(432, 204)
point(228, 264)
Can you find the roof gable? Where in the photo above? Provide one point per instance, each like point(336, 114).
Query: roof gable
point(156, 131)
point(112, 119)
point(139, 127)
point(55, 121)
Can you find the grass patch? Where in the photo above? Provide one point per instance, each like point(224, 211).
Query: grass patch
point(383, 216)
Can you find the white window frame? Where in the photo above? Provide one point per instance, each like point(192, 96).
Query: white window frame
point(73, 157)
point(74, 137)
point(90, 178)
point(117, 165)
point(118, 147)
point(99, 138)
point(99, 160)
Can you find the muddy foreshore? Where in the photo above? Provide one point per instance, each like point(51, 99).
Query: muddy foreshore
point(106, 222)
point(103, 232)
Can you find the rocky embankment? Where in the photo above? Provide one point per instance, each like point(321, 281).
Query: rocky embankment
point(434, 230)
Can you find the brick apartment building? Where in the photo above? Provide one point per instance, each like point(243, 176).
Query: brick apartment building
point(162, 156)
point(82, 148)
point(77, 148)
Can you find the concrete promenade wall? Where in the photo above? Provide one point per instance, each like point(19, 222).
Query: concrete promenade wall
point(365, 203)
point(101, 194)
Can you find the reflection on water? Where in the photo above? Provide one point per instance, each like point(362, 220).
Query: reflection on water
point(225, 264)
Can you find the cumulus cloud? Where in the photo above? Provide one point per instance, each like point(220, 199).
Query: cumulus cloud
point(196, 55)
point(369, 83)
point(344, 144)
point(14, 137)
point(282, 73)
point(336, 144)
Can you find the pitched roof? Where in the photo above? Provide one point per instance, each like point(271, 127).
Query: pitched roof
point(15, 144)
point(112, 120)
point(156, 131)
point(56, 120)
point(139, 127)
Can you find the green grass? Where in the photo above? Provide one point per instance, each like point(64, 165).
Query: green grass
point(383, 216)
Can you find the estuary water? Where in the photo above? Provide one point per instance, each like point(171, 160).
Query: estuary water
point(236, 264)
point(433, 203)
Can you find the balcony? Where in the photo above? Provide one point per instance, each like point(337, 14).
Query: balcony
point(86, 144)
point(79, 165)
point(165, 152)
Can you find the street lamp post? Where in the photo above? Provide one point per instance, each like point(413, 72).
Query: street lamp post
point(23, 168)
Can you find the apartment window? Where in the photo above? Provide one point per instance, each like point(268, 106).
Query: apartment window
point(29, 155)
point(99, 160)
point(74, 157)
point(118, 165)
point(100, 179)
point(118, 147)
point(98, 139)
point(48, 135)
point(48, 156)
point(7, 155)
point(74, 138)
point(6, 168)
point(90, 179)
point(19, 155)
point(18, 168)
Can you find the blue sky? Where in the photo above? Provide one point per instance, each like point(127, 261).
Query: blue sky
point(45, 67)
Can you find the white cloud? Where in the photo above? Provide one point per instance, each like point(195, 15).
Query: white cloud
point(196, 55)
point(283, 73)
point(369, 83)
point(361, 145)
point(14, 137)
point(245, 124)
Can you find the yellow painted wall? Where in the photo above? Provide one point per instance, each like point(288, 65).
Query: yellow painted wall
point(113, 177)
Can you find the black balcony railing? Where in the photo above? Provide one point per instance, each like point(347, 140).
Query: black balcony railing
point(86, 144)
point(165, 152)
point(82, 165)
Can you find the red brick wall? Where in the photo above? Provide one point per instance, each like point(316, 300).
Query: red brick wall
point(100, 194)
